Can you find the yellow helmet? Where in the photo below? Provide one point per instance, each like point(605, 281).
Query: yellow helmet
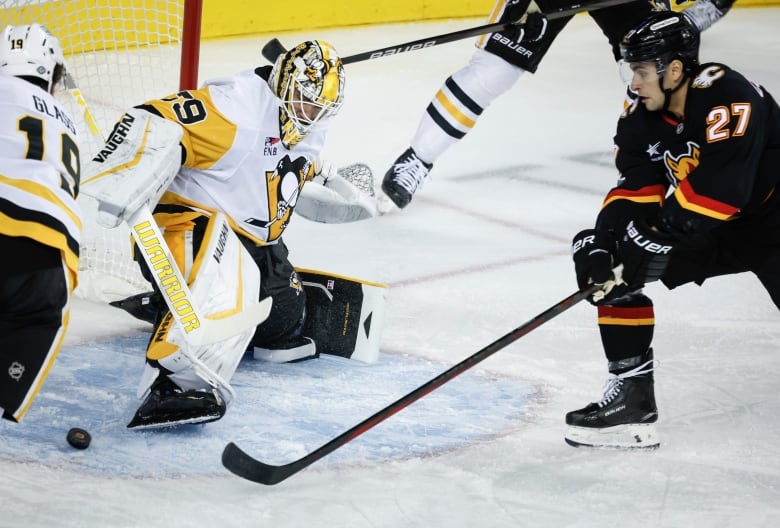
point(309, 82)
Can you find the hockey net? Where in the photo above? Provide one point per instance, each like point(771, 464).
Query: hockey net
point(119, 53)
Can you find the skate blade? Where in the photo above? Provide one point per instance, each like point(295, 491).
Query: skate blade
point(630, 436)
point(140, 424)
point(384, 205)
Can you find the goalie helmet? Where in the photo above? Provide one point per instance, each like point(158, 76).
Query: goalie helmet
point(31, 51)
point(309, 82)
point(662, 38)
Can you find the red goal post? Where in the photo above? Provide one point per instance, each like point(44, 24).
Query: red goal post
point(120, 53)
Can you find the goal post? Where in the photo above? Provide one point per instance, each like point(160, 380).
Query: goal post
point(120, 53)
point(190, 47)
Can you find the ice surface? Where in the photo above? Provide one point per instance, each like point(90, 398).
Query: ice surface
point(481, 249)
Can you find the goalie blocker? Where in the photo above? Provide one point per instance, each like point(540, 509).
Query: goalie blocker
point(138, 162)
point(354, 306)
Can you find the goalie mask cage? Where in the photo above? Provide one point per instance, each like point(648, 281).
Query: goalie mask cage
point(120, 53)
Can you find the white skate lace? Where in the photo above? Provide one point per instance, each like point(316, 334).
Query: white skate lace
point(410, 173)
point(615, 381)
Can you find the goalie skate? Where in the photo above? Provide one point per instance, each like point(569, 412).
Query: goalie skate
point(166, 405)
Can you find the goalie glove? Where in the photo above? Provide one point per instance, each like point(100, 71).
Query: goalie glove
point(337, 196)
point(594, 253)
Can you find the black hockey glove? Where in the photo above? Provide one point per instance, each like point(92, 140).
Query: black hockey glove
point(645, 253)
point(594, 253)
point(535, 27)
point(532, 30)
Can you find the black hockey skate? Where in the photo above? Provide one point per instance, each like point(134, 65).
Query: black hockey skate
point(167, 405)
point(403, 178)
point(626, 415)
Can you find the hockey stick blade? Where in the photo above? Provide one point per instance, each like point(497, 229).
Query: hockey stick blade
point(237, 461)
point(273, 49)
point(245, 466)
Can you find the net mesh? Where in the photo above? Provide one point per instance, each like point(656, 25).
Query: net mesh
point(359, 175)
point(119, 53)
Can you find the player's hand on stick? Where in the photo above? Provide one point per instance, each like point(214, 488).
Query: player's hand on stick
point(531, 29)
point(534, 27)
point(594, 253)
point(645, 253)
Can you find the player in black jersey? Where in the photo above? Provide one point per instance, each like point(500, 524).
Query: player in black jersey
point(698, 154)
point(499, 61)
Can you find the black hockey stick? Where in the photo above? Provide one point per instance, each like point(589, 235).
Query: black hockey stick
point(243, 465)
point(274, 47)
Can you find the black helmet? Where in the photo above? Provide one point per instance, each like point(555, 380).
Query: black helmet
point(662, 38)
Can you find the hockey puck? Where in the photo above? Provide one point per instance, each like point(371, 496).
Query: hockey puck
point(79, 438)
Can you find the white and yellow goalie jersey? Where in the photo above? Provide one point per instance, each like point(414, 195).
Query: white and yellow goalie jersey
point(234, 161)
point(39, 169)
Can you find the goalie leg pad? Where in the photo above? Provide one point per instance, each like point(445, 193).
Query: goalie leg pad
point(138, 162)
point(224, 281)
point(344, 316)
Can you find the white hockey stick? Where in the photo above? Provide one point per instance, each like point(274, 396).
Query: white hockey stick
point(198, 329)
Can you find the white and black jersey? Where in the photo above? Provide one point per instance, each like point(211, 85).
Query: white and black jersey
point(39, 169)
point(234, 161)
point(40, 227)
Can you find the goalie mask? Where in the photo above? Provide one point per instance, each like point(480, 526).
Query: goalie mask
point(31, 52)
point(309, 82)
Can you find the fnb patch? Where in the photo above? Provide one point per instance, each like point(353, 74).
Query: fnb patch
point(270, 148)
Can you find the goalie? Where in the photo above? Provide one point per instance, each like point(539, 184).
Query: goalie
point(225, 166)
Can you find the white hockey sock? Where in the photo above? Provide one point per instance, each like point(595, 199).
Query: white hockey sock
point(455, 108)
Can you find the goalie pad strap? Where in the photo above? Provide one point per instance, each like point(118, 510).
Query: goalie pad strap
point(137, 163)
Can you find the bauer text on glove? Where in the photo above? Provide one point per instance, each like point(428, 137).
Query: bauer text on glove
point(645, 253)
